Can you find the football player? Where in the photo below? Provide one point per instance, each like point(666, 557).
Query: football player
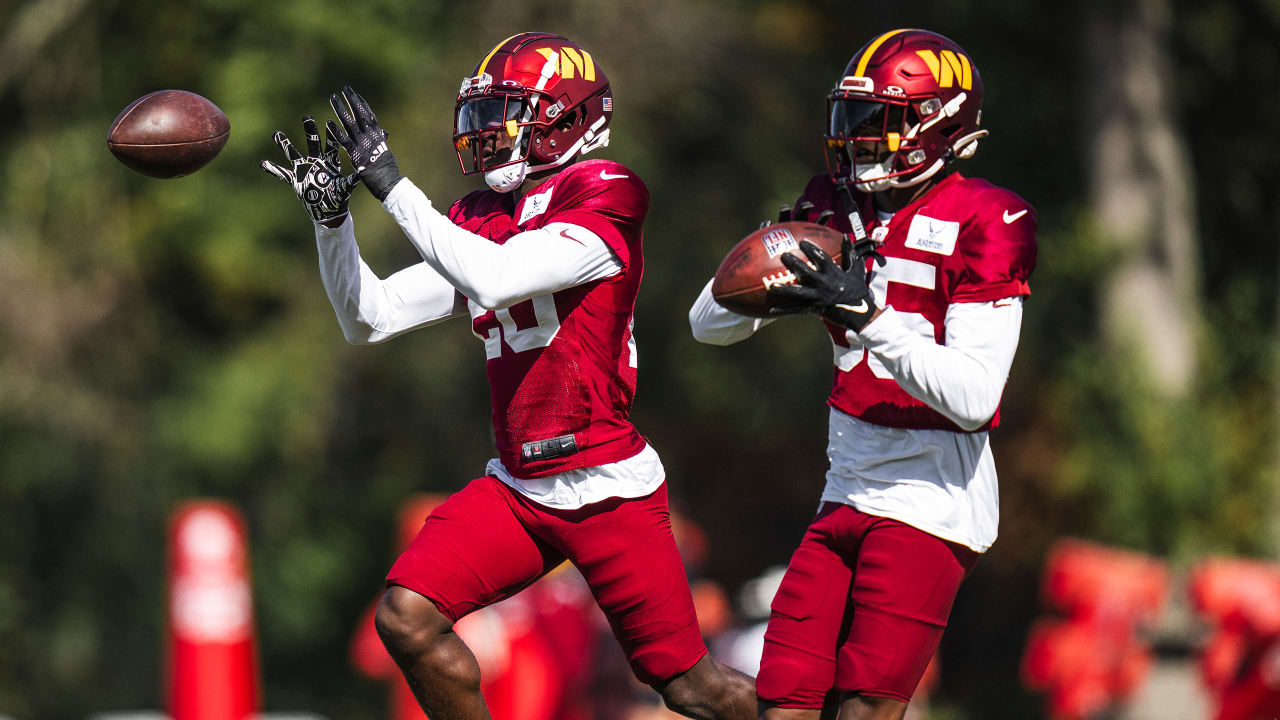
point(546, 262)
point(923, 310)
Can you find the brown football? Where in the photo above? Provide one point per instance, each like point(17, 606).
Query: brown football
point(754, 265)
point(168, 133)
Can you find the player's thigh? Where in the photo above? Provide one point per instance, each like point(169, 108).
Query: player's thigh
point(806, 621)
point(625, 551)
point(473, 550)
point(904, 584)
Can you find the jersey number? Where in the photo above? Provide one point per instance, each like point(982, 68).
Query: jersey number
point(498, 327)
point(849, 352)
point(519, 340)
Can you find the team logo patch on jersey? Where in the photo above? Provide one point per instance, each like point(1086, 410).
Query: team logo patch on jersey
point(933, 235)
point(535, 205)
point(779, 241)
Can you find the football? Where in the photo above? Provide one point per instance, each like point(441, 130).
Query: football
point(168, 133)
point(754, 265)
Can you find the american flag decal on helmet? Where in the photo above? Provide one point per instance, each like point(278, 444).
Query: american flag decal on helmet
point(608, 104)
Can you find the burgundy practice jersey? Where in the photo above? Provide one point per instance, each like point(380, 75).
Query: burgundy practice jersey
point(964, 241)
point(563, 365)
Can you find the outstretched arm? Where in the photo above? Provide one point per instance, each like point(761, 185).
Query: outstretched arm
point(713, 324)
point(533, 263)
point(371, 309)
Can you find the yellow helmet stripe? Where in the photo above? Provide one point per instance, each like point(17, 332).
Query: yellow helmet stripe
point(494, 51)
point(872, 48)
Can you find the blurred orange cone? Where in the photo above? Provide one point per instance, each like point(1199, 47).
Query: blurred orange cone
point(212, 667)
point(1092, 659)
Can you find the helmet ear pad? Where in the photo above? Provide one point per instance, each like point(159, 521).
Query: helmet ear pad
point(565, 131)
point(550, 142)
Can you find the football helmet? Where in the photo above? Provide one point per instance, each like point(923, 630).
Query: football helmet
point(908, 103)
point(534, 103)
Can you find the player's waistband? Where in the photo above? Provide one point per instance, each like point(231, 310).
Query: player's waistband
point(549, 449)
point(550, 455)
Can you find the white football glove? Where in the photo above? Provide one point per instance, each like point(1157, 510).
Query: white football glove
point(317, 177)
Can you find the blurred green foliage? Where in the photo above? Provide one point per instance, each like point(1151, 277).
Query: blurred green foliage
point(166, 340)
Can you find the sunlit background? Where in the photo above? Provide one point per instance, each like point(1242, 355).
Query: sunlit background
point(167, 340)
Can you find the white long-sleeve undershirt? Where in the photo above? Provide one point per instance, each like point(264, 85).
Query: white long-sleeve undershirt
point(371, 309)
point(537, 262)
point(713, 324)
point(962, 379)
point(529, 264)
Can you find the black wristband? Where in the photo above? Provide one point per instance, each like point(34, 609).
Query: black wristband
point(383, 176)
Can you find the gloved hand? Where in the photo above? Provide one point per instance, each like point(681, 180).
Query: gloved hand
point(365, 143)
point(837, 292)
point(316, 178)
point(801, 211)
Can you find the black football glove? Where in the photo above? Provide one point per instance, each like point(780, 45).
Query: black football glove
point(786, 213)
point(837, 292)
point(316, 178)
point(365, 143)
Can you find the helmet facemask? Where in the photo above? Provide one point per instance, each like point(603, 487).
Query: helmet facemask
point(876, 142)
point(498, 131)
point(493, 130)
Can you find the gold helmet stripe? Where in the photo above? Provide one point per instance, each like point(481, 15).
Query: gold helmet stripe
point(871, 50)
point(494, 51)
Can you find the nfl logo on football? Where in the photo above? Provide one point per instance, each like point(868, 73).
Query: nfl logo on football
point(779, 241)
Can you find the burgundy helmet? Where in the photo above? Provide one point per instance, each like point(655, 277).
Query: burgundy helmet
point(917, 97)
point(536, 98)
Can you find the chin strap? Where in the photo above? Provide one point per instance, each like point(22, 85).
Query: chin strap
point(593, 139)
point(963, 147)
point(916, 180)
point(851, 209)
point(507, 178)
point(967, 145)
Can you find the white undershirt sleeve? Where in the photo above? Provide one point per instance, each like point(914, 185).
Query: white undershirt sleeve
point(713, 324)
point(371, 309)
point(962, 379)
point(531, 263)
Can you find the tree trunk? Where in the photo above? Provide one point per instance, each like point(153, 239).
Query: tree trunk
point(1142, 194)
point(29, 30)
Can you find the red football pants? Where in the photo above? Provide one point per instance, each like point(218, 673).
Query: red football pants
point(860, 610)
point(488, 542)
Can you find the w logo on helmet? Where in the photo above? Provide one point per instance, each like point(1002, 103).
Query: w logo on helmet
point(950, 69)
point(572, 59)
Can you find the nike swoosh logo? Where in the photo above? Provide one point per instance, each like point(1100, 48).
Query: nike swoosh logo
point(606, 176)
point(860, 308)
point(1010, 218)
point(565, 234)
